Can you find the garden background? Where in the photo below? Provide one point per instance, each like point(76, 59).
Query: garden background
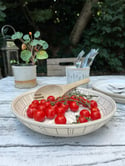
point(70, 26)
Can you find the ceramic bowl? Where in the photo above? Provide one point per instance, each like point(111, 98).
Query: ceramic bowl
point(106, 105)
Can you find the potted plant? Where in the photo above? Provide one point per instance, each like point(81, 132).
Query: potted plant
point(33, 49)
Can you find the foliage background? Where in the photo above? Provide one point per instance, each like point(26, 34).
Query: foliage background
point(55, 19)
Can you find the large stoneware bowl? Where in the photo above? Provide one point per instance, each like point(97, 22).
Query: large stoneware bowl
point(106, 105)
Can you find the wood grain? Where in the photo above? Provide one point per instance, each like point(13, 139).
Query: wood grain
point(56, 66)
point(22, 146)
point(63, 156)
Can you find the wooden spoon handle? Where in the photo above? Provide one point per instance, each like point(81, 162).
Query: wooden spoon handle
point(75, 84)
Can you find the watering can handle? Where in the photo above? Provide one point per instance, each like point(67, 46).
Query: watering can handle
point(5, 26)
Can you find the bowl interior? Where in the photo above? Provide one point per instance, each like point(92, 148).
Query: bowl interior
point(105, 103)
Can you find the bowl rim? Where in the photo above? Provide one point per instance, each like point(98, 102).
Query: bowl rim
point(29, 121)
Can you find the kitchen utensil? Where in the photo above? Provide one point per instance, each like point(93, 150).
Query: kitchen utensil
point(89, 58)
point(57, 90)
point(79, 59)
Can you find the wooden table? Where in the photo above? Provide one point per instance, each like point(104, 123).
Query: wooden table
point(20, 146)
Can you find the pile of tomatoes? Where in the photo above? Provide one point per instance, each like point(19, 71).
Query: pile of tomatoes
point(56, 108)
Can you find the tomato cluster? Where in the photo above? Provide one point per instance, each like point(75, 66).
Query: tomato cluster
point(55, 108)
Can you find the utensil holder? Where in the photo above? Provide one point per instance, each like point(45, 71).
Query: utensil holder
point(75, 74)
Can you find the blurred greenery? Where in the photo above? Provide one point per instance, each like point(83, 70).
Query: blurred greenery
point(55, 20)
point(107, 32)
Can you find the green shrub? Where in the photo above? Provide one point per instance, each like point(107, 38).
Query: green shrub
point(107, 32)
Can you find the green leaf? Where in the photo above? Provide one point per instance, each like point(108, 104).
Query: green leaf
point(34, 42)
point(14, 37)
point(44, 44)
point(26, 55)
point(26, 37)
point(42, 55)
point(37, 34)
point(27, 41)
point(17, 35)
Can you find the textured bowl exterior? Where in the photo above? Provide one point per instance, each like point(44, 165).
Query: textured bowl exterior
point(106, 104)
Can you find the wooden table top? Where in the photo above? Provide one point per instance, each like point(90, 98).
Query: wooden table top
point(20, 146)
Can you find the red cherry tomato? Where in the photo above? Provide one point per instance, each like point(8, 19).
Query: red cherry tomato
point(84, 101)
point(43, 101)
point(58, 98)
point(35, 102)
point(95, 115)
point(39, 115)
point(50, 112)
point(80, 99)
point(85, 113)
point(33, 105)
point(58, 103)
point(50, 98)
point(74, 106)
point(65, 106)
point(47, 104)
point(74, 97)
point(60, 110)
point(93, 104)
point(30, 112)
point(42, 107)
point(94, 109)
point(66, 97)
point(60, 119)
point(82, 119)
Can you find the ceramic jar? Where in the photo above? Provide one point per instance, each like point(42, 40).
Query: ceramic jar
point(25, 76)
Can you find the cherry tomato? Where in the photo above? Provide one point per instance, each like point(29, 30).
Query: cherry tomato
point(80, 99)
point(58, 98)
point(93, 104)
point(50, 98)
point(95, 115)
point(74, 106)
point(35, 102)
point(42, 107)
point(60, 119)
point(43, 101)
point(58, 103)
point(85, 113)
point(65, 106)
point(74, 97)
point(30, 112)
point(66, 97)
point(82, 119)
point(94, 109)
point(47, 104)
point(50, 112)
point(55, 106)
point(51, 108)
point(60, 110)
point(84, 102)
point(33, 105)
point(39, 115)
